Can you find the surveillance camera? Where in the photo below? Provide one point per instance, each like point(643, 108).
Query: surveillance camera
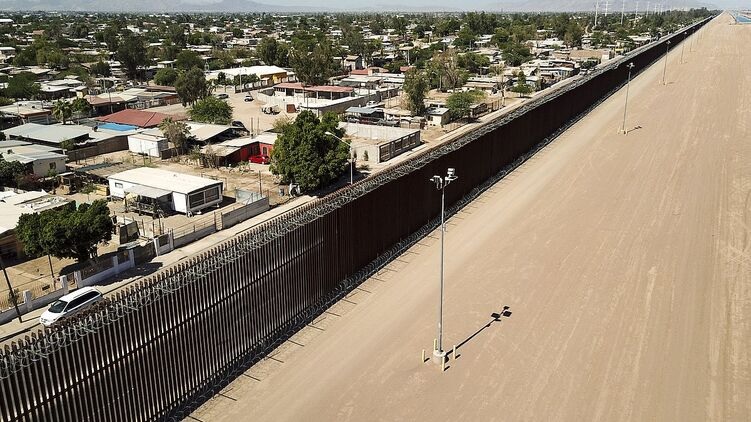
point(451, 171)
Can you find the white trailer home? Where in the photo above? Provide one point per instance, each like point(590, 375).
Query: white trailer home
point(183, 193)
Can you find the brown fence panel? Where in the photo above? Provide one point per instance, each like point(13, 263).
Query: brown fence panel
point(164, 345)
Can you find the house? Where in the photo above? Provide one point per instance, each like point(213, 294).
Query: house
point(25, 112)
point(183, 193)
point(13, 204)
point(264, 143)
point(230, 152)
point(359, 114)
point(7, 54)
point(352, 62)
point(41, 160)
point(206, 133)
point(438, 116)
point(137, 118)
point(327, 92)
point(268, 75)
point(377, 144)
point(51, 135)
point(151, 144)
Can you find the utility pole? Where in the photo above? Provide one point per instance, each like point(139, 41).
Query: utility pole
point(597, 12)
point(11, 292)
point(625, 107)
point(623, 10)
point(665, 68)
point(440, 184)
point(607, 3)
point(636, 13)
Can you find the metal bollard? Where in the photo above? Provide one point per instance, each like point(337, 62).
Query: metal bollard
point(453, 353)
point(435, 344)
point(443, 364)
point(423, 356)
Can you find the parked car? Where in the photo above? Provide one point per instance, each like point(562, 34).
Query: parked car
point(260, 159)
point(70, 304)
point(371, 104)
point(270, 109)
point(222, 96)
point(387, 122)
point(248, 98)
point(238, 124)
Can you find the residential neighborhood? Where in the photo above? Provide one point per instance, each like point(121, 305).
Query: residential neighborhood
point(167, 118)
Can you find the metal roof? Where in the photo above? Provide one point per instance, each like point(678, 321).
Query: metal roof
point(203, 132)
point(48, 133)
point(148, 192)
point(163, 179)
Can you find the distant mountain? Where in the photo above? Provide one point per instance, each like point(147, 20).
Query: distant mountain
point(239, 6)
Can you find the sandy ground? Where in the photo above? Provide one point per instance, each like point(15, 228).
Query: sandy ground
point(624, 260)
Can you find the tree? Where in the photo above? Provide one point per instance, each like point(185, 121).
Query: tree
point(312, 67)
point(191, 86)
point(516, 53)
point(415, 88)
point(446, 66)
point(175, 132)
point(522, 87)
point(22, 85)
point(166, 76)
point(303, 154)
point(460, 103)
point(187, 60)
point(62, 110)
point(101, 68)
point(473, 62)
point(132, 53)
point(211, 110)
point(267, 50)
point(10, 172)
point(66, 232)
point(80, 107)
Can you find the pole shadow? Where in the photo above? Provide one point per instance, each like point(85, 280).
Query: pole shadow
point(495, 317)
point(633, 129)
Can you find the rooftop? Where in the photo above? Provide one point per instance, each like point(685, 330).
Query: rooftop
point(164, 179)
point(319, 88)
point(48, 133)
point(204, 131)
point(136, 118)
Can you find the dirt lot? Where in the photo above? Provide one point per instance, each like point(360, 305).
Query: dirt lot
point(625, 261)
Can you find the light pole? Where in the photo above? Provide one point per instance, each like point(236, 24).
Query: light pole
point(628, 85)
point(440, 184)
point(351, 173)
point(665, 68)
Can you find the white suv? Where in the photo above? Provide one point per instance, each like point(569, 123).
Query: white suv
point(70, 304)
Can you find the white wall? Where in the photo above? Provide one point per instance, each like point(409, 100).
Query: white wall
point(42, 167)
point(119, 191)
point(180, 202)
point(150, 147)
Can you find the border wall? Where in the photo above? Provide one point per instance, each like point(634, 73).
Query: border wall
point(167, 343)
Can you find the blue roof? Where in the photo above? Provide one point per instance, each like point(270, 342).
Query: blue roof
point(117, 126)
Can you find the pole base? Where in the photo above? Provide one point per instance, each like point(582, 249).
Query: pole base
point(439, 356)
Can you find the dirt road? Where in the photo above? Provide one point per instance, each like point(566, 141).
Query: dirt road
point(625, 261)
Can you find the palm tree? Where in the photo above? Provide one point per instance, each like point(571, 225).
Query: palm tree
point(62, 110)
point(175, 132)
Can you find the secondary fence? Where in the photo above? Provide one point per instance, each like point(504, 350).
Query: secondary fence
point(159, 349)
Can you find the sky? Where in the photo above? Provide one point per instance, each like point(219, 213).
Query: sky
point(384, 5)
